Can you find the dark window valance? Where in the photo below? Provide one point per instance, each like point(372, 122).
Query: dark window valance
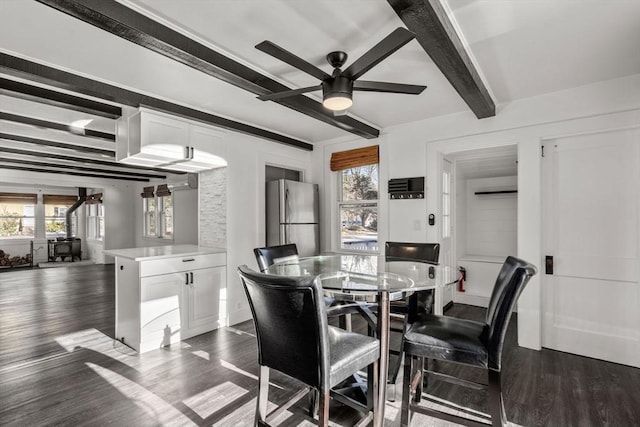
point(59, 199)
point(147, 193)
point(23, 198)
point(354, 158)
point(163, 190)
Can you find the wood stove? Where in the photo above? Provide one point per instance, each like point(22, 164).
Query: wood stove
point(62, 248)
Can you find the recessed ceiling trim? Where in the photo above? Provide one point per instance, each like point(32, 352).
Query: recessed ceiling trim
point(68, 172)
point(437, 36)
point(58, 99)
point(49, 143)
point(80, 168)
point(43, 74)
point(56, 126)
point(137, 28)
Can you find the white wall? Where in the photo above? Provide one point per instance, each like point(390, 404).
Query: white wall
point(417, 149)
point(246, 157)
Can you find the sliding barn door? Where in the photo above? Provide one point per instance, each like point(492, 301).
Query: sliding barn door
point(591, 300)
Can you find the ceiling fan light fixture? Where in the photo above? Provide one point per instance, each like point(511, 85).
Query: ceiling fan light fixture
point(337, 101)
point(337, 93)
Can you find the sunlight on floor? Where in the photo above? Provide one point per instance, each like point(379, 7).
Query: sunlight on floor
point(155, 407)
point(210, 401)
point(201, 353)
point(234, 368)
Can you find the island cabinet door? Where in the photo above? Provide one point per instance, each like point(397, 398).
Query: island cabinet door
point(161, 309)
point(204, 302)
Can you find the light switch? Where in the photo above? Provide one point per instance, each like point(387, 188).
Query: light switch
point(416, 224)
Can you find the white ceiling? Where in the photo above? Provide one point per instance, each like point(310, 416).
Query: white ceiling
point(522, 48)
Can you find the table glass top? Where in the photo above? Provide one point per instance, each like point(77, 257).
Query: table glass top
point(364, 273)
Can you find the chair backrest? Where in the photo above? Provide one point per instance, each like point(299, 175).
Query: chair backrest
point(291, 325)
point(421, 252)
point(512, 278)
point(270, 255)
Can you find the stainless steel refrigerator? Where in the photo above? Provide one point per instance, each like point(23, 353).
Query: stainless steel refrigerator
point(292, 215)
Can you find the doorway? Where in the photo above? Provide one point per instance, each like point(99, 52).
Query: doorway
point(483, 231)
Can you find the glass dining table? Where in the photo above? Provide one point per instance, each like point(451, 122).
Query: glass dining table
point(371, 278)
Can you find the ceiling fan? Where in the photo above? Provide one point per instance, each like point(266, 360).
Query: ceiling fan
point(337, 87)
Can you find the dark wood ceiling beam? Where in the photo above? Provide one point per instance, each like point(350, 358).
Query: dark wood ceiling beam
point(82, 160)
point(124, 22)
point(437, 36)
point(44, 74)
point(56, 126)
point(58, 99)
point(57, 144)
point(80, 168)
point(68, 172)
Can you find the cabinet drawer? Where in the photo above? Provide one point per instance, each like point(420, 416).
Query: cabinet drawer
point(178, 264)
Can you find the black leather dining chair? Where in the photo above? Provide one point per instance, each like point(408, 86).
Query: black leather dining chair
point(418, 302)
point(270, 255)
point(294, 338)
point(466, 342)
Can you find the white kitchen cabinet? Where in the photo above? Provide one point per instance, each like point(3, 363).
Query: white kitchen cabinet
point(165, 295)
point(154, 138)
point(200, 313)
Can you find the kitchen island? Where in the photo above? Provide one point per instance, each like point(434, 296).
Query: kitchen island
point(165, 294)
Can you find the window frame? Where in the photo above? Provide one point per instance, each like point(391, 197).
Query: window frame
point(161, 217)
point(21, 220)
point(343, 203)
point(95, 221)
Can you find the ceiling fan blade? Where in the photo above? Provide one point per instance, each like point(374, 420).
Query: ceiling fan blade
point(287, 93)
point(394, 41)
point(291, 59)
point(368, 86)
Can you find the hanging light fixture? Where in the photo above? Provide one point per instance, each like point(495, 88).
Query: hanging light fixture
point(337, 93)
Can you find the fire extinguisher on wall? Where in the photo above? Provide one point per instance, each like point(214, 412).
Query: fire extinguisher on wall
point(463, 277)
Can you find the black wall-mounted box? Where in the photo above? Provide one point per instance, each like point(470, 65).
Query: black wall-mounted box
point(406, 188)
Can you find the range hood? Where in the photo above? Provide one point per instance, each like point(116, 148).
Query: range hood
point(156, 139)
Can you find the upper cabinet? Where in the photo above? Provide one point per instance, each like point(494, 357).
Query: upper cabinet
point(153, 138)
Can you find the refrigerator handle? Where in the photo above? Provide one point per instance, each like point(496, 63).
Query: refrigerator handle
point(286, 206)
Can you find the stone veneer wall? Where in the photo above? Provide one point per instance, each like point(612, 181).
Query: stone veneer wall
point(212, 186)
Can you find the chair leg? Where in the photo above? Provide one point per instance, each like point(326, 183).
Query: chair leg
point(323, 411)
point(313, 402)
point(423, 378)
point(263, 396)
point(408, 382)
point(496, 402)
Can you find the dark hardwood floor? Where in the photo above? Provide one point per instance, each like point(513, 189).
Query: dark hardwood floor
point(60, 366)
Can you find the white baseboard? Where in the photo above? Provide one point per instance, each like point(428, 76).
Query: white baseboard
point(470, 299)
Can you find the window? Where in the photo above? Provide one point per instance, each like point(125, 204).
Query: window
point(17, 215)
point(55, 211)
point(446, 204)
point(149, 209)
point(158, 212)
point(95, 221)
point(165, 215)
point(358, 208)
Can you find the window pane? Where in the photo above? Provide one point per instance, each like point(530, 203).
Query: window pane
point(55, 227)
point(165, 207)
point(359, 227)
point(17, 220)
point(360, 183)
